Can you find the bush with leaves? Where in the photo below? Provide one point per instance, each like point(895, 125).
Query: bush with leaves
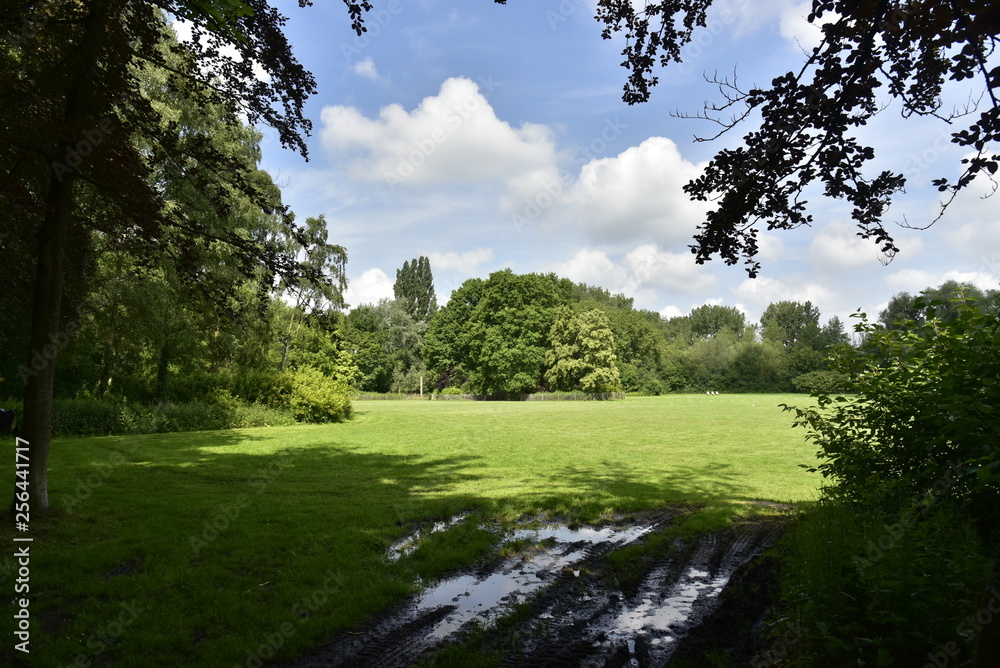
point(924, 417)
point(821, 382)
point(315, 397)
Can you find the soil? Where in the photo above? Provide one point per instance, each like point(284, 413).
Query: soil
point(693, 602)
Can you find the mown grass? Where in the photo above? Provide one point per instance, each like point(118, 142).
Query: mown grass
point(227, 548)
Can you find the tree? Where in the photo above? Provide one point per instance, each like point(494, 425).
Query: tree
point(501, 341)
point(74, 109)
point(707, 320)
point(446, 349)
point(582, 356)
point(319, 258)
point(414, 289)
point(872, 53)
point(791, 323)
point(943, 303)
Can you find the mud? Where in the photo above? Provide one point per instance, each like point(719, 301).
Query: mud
point(578, 605)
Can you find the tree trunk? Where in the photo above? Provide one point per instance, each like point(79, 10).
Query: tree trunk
point(48, 337)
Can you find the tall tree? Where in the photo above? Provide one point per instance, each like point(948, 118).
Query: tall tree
point(73, 107)
point(791, 323)
point(309, 296)
point(582, 353)
point(707, 320)
point(414, 289)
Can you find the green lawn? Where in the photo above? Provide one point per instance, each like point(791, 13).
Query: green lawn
point(220, 548)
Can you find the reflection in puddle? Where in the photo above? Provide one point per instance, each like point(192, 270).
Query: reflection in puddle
point(660, 613)
point(411, 542)
point(489, 597)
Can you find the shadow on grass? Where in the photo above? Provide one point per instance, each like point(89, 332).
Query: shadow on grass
point(713, 483)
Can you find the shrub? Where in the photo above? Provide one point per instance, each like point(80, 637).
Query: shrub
point(452, 390)
point(110, 416)
point(923, 418)
point(821, 382)
point(314, 397)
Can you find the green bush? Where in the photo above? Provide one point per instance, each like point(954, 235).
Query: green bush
point(452, 390)
point(315, 397)
point(924, 415)
point(106, 417)
point(88, 417)
point(821, 382)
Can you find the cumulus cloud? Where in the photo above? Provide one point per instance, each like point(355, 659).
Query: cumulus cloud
point(453, 137)
point(368, 288)
point(795, 28)
point(643, 273)
point(636, 195)
point(758, 292)
point(463, 263)
point(915, 280)
point(676, 272)
point(978, 233)
point(837, 247)
point(594, 267)
point(366, 68)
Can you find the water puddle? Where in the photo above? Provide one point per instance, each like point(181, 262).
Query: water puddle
point(486, 598)
point(563, 575)
point(410, 543)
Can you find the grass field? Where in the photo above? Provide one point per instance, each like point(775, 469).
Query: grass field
point(229, 548)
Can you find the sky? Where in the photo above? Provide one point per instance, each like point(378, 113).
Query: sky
point(488, 137)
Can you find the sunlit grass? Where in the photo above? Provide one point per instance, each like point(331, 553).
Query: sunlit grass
point(213, 548)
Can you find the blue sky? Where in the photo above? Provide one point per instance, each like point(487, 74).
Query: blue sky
point(488, 136)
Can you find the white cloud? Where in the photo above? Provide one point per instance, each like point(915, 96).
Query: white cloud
point(594, 267)
point(770, 248)
point(837, 247)
point(184, 30)
point(368, 288)
point(675, 272)
point(641, 274)
point(671, 312)
point(635, 195)
point(463, 263)
point(453, 137)
point(978, 218)
point(759, 292)
point(795, 28)
point(915, 280)
point(366, 68)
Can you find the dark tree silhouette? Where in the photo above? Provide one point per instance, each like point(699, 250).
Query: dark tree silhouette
point(871, 53)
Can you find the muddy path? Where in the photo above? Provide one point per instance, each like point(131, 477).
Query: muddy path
point(627, 594)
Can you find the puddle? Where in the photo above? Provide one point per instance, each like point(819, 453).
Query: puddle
point(487, 598)
point(577, 613)
point(410, 543)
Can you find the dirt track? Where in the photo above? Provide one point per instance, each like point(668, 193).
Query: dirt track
point(674, 606)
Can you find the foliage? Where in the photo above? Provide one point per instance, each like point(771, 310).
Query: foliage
point(821, 382)
point(924, 415)
point(496, 332)
point(414, 289)
point(110, 416)
point(871, 54)
point(314, 397)
point(791, 323)
point(709, 319)
point(878, 587)
point(582, 355)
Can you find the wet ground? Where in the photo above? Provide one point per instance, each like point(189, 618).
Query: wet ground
point(573, 597)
